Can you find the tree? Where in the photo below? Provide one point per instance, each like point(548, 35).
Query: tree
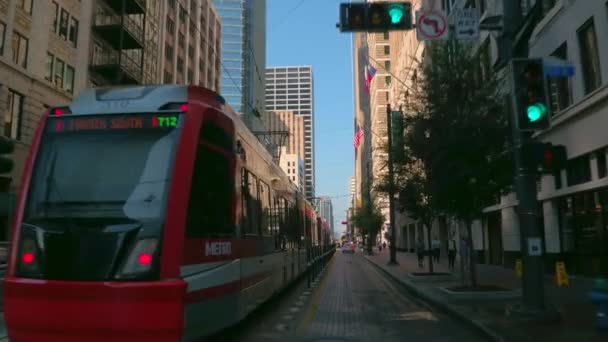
point(370, 219)
point(458, 131)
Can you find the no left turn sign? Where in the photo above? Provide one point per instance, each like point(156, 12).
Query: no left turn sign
point(431, 25)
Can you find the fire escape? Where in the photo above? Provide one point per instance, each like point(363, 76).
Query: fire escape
point(117, 56)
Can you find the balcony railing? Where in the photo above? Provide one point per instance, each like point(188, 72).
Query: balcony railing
point(131, 6)
point(118, 60)
point(108, 22)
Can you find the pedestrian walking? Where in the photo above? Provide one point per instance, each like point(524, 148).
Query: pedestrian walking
point(452, 252)
point(464, 251)
point(436, 248)
point(420, 252)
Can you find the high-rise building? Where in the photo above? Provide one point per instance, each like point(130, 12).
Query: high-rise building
point(243, 54)
point(191, 37)
point(286, 122)
point(291, 89)
point(326, 210)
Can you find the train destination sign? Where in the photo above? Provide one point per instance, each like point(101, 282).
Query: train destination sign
point(112, 122)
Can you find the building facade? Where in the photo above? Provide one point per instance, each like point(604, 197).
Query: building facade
point(243, 55)
point(42, 64)
point(124, 46)
point(293, 166)
point(191, 43)
point(291, 89)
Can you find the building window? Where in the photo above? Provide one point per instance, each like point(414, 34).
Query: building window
point(387, 50)
point(600, 158)
point(387, 66)
point(59, 70)
point(14, 115)
point(182, 13)
point(73, 36)
point(180, 64)
point(170, 26)
point(63, 24)
point(168, 77)
point(578, 170)
point(590, 60)
point(560, 88)
point(181, 39)
point(69, 79)
point(49, 66)
point(385, 35)
point(55, 15)
point(169, 52)
point(191, 51)
point(190, 76)
point(20, 49)
point(2, 36)
point(25, 5)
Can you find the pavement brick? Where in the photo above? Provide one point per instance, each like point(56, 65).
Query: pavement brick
point(577, 312)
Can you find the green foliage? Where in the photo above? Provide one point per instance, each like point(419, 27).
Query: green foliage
point(369, 218)
point(458, 135)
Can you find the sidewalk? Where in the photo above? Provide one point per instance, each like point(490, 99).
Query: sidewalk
point(578, 314)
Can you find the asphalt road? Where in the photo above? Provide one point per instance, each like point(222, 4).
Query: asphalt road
point(351, 301)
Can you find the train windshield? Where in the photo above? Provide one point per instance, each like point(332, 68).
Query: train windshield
point(103, 167)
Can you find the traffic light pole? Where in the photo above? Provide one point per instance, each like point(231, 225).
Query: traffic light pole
point(391, 188)
point(533, 292)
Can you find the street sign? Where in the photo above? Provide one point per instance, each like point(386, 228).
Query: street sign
point(431, 25)
point(466, 23)
point(557, 67)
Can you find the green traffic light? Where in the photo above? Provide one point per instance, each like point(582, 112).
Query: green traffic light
point(395, 11)
point(536, 111)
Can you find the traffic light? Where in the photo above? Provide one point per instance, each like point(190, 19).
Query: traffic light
point(7, 146)
point(530, 91)
point(546, 157)
point(375, 16)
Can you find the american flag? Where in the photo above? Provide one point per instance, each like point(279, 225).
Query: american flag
point(358, 137)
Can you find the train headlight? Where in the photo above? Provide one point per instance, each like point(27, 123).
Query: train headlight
point(139, 260)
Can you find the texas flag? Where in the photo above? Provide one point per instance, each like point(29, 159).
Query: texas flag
point(370, 72)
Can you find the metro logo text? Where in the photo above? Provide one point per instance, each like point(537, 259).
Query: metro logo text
point(218, 248)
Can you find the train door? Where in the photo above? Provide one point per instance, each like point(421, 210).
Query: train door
point(212, 300)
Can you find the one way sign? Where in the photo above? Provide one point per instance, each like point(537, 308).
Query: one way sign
point(466, 23)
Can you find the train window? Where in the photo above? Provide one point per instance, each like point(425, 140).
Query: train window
point(215, 133)
point(266, 208)
point(251, 205)
point(210, 206)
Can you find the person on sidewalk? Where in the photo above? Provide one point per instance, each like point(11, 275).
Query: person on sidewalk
point(452, 252)
point(436, 248)
point(420, 252)
point(464, 252)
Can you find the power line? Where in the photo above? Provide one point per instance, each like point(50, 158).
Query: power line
point(293, 9)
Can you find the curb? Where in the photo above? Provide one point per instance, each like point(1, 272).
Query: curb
point(443, 306)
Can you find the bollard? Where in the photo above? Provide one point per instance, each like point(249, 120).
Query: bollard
point(599, 296)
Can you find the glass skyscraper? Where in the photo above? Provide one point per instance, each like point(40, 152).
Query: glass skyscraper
point(243, 53)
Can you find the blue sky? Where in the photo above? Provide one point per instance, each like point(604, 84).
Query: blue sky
point(303, 32)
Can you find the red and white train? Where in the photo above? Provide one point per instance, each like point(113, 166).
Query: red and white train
point(150, 213)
